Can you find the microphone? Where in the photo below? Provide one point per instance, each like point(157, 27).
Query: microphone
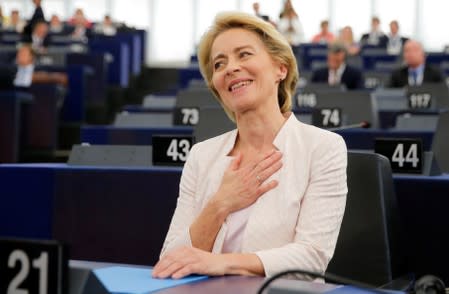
point(325, 276)
point(425, 285)
point(363, 124)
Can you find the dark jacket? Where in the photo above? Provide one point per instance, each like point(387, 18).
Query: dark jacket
point(352, 78)
point(383, 40)
point(38, 15)
point(7, 76)
point(399, 77)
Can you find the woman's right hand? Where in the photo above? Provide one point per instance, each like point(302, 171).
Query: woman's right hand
point(241, 186)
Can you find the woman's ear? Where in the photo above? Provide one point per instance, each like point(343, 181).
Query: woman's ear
point(282, 72)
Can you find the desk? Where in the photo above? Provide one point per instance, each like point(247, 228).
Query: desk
point(187, 74)
point(105, 214)
point(111, 135)
point(355, 138)
point(122, 214)
point(423, 203)
point(365, 138)
point(10, 123)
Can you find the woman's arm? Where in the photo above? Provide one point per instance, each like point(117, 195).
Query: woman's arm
point(320, 215)
point(187, 260)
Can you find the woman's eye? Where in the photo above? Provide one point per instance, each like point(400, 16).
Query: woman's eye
point(244, 54)
point(217, 65)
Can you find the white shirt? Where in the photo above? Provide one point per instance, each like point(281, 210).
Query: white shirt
point(292, 29)
point(335, 75)
point(24, 76)
point(296, 224)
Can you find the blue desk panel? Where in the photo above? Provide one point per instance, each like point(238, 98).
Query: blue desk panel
point(104, 214)
point(187, 74)
point(355, 138)
point(10, 123)
point(122, 214)
point(110, 135)
point(424, 202)
point(118, 73)
point(365, 138)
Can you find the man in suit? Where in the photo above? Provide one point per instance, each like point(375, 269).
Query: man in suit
point(337, 71)
point(37, 16)
point(416, 71)
point(395, 40)
point(39, 39)
point(375, 37)
point(23, 73)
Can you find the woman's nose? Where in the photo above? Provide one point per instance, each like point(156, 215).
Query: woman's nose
point(233, 66)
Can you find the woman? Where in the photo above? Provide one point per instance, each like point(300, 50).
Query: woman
point(270, 195)
point(346, 37)
point(290, 26)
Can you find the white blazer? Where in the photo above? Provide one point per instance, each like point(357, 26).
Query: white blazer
point(295, 225)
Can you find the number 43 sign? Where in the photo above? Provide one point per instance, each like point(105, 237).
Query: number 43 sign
point(405, 155)
point(171, 150)
point(32, 267)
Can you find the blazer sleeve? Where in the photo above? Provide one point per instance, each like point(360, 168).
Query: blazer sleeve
point(178, 233)
point(320, 215)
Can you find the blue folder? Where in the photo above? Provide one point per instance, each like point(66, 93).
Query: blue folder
point(130, 280)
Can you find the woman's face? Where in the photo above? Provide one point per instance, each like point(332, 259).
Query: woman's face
point(244, 74)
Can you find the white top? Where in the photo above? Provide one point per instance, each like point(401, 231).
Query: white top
point(335, 75)
point(292, 29)
point(294, 225)
point(236, 227)
point(24, 76)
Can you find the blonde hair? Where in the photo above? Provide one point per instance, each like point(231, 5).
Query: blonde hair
point(276, 45)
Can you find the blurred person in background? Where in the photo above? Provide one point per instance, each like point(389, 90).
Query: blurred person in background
point(289, 25)
point(337, 71)
point(395, 40)
point(375, 37)
point(81, 25)
point(2, 18)
point(14, 23)
point(346, 37)
point(106, 27)
point(22, 74)
point(324, 36)
point(56, 25)
point(415, 71)
point(38, 16)
point(39, 39)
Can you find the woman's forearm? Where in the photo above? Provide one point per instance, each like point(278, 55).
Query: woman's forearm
point(247, 264)
point(204, 229)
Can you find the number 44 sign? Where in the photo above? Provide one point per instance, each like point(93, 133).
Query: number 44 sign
point(405, 155)
point(30, 266)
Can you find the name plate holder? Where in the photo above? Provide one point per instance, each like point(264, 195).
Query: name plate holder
point(306, 100)
point(420, 101)
point(171, 150)
point(186, 116)
point(33, 266)
point(327, 117)
point(406, 156)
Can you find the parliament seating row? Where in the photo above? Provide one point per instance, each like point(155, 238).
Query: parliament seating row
point(126, 212)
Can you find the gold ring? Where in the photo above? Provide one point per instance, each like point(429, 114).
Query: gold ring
point(258, 179)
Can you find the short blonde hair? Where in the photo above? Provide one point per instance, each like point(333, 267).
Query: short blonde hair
point(276, 45)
